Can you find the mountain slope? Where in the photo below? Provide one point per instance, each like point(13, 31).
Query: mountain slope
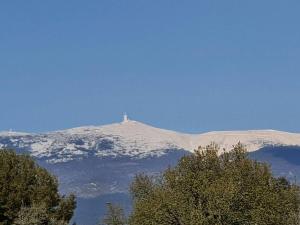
point(132, 139)
point(98, 162)
point(253, 139)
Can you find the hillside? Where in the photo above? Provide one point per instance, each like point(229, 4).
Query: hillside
point(98, 162)
point(133, 139)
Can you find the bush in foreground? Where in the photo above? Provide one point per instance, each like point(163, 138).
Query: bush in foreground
point(29, 194)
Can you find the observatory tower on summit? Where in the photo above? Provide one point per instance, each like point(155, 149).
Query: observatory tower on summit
point(125, 118)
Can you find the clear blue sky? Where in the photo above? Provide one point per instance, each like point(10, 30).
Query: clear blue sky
point(190, 66)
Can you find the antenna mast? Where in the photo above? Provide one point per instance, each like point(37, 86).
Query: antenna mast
point(125, 118)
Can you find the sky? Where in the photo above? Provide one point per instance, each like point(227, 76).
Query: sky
point(189, 66)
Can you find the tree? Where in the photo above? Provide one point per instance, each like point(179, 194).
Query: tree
point(36, 215)
point(27, 189)
point(206, 188)
point(114, 216)
point(64, 211)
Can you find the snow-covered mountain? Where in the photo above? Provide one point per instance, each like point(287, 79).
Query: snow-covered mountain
point(253, 139)
point(133, 139)
point(97, 163)
point(128, 138)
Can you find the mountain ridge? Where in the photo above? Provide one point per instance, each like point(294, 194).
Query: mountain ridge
point(134, 139)
point(24, 133)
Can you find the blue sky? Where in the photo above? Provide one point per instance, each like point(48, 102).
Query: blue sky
point(190, 66)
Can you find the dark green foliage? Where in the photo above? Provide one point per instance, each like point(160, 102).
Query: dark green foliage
point(64, 211)
point(27, 189)
point(208, 189)
point(36, 215)
point(142, 186)
point(114, 215)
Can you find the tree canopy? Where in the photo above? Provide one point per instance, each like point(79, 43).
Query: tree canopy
point(28, 193)
point(206, 188)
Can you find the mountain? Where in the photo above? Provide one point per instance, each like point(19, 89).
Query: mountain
point(133, 139)
point(98, 162)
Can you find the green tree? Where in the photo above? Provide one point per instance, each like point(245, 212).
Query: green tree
point(206, 188)
point(114, 216)
point(27, 189)
point(64, 211)
point(36, 215)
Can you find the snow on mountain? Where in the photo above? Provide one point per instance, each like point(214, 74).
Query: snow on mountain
point(98, 161)
point(253, 139)
point(133, 139)
point(12, 133)
point(129, 138)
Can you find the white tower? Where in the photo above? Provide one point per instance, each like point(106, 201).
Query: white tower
point(125, 118)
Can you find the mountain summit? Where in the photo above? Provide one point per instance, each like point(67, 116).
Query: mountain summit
point(133, 139)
